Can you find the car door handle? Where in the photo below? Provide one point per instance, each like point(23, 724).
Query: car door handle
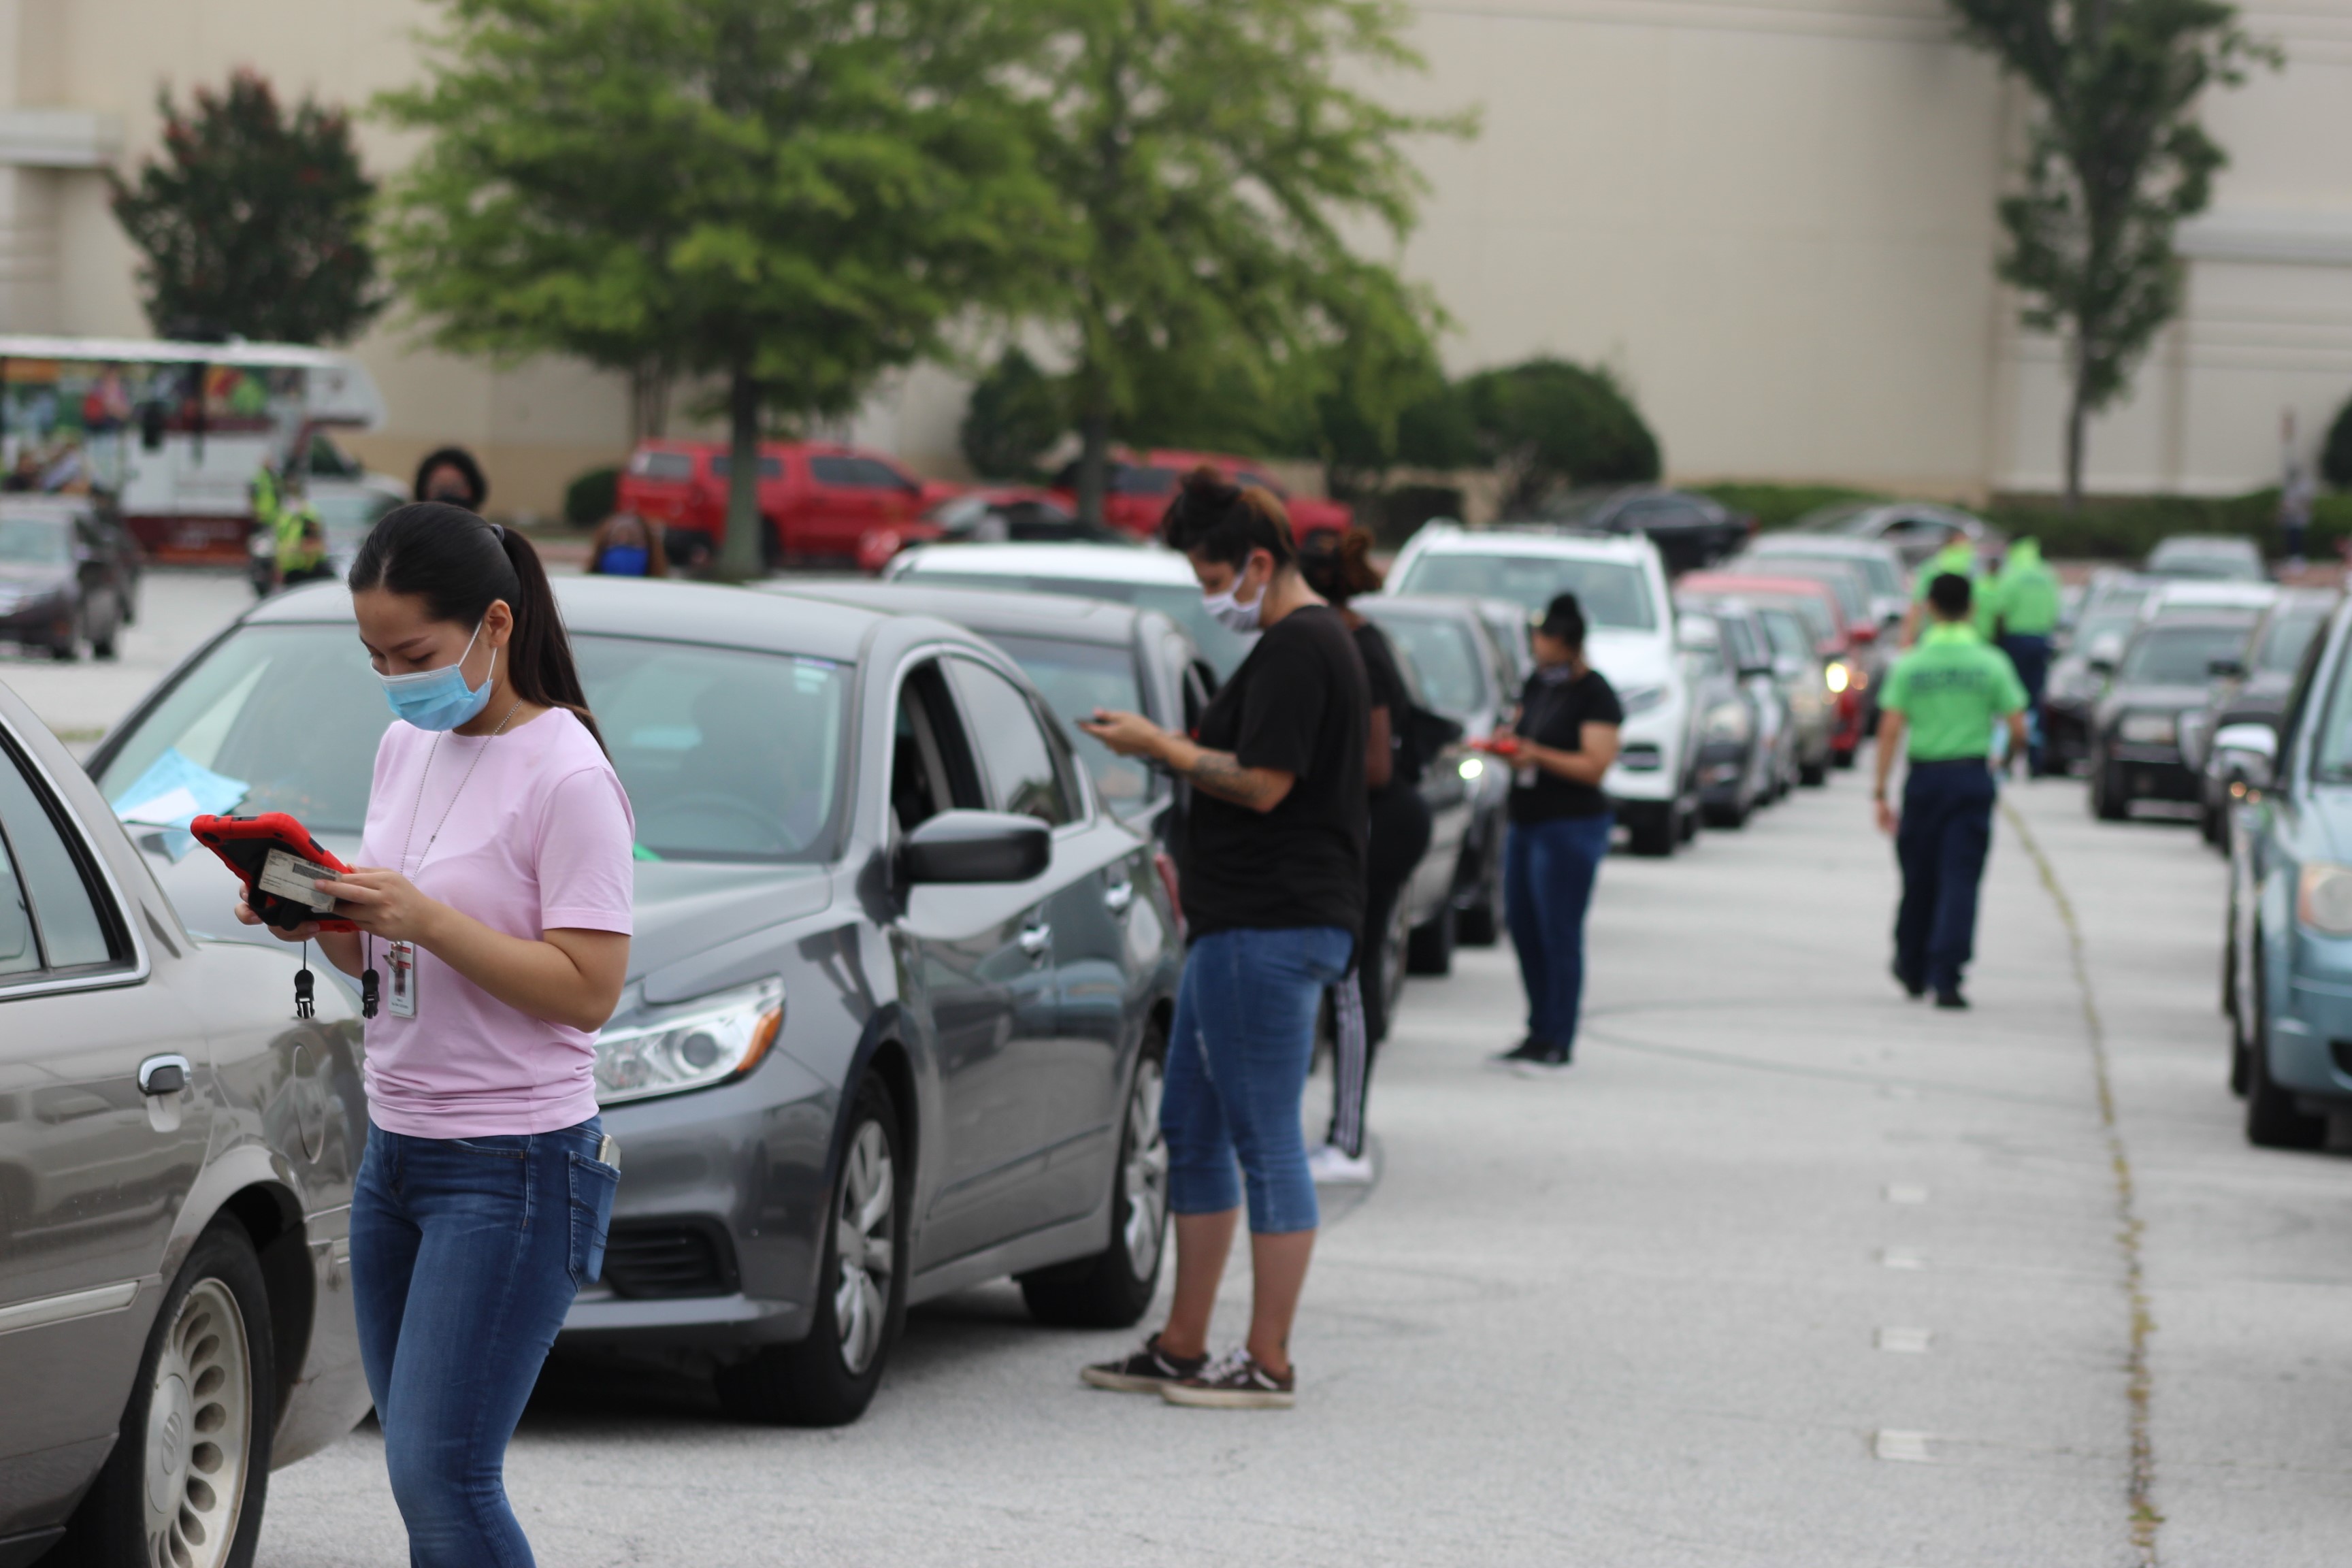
point(1118, 896)
point(165, 1074)
point(1035, 940)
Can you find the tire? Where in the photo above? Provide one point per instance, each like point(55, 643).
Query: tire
point(109, 645)
point(1428, 949)
point(1843, 760)
point(2241, 1056)
point(829, 1378)
point(771, 546)
point(1113, 1288)
point(1480, 922)
point(204, 1405)
point(1653, 831)
point(2105, 802)
point(68, 650)
point(2272, 1119)
point(1813, 775)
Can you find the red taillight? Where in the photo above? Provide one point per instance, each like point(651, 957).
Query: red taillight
point(1167, 864)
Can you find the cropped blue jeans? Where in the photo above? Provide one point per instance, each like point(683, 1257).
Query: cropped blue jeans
point(1238, 1053)
point(466, 1255)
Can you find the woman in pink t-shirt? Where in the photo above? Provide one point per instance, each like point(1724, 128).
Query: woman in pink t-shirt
point(493, 900)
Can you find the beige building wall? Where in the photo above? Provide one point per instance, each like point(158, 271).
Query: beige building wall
point(1773, 218)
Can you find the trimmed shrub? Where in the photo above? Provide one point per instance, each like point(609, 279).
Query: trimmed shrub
point(1016, 412)
point(2125, 528)
point(2335, 452)
point(590, 499)
point(1549, 425)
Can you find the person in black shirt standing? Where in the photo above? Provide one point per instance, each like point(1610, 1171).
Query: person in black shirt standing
point(1338, 566)
point(1272, 874)
point(1561, 747)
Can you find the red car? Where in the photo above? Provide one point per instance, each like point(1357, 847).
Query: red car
point(821, 503)
point(1842, 645)
point(1141, 485)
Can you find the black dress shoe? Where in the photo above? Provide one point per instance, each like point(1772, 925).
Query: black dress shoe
point(1915, 989)
point(1951, 999)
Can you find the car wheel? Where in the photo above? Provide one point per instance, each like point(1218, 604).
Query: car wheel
point(69, 649)
point(106, 632)
point(2272, 1119)
point(1113, 1288)
point(2107, 802)
point(1845, 759)
point(1654, 830)
point(1479, 923)
point(829, 1378)
point(186, 1482)
point(1813, 775)
point(1430, 949)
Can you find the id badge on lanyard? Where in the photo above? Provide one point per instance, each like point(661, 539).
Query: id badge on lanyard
point(400, 989)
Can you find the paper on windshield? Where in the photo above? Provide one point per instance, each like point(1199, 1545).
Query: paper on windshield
point(172, 792)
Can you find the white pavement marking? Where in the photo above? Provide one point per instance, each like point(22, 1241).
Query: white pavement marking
point(1907, 1342)
point(1905, 1192)
point(1902, 1257)
point(1902, 1447)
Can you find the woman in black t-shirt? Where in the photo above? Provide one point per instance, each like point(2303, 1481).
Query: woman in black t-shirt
point(1560, 746)
point(1271, 875)
point(1340, 567)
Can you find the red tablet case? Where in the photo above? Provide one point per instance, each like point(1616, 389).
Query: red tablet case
point(244, 843)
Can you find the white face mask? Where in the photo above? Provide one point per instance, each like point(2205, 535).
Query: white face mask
point(1230, 612)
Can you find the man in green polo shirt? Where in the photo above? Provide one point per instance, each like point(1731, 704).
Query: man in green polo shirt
point(2024, 613)
point(1943, 699)
point(1957, 557)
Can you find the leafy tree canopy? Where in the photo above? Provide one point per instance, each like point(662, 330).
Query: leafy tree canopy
point(252, 221)
point(2335, 451)
point(1547, 425)
point(1016, 412)
point(2116, 159)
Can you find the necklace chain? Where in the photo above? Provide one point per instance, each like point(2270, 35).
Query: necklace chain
point(426, 775)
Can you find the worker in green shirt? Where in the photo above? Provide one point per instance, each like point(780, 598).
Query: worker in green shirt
point(2024, 613)
point(293, 524)
point(1957, 557)
point(1938, 708)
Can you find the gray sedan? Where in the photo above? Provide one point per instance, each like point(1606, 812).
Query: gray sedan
point(898, 989)
point(176, 1156)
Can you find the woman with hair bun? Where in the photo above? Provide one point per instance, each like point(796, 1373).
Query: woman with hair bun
point(1272, 876)
point(495, 891)
point(1339, 566)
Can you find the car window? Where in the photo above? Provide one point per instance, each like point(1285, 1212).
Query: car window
point(56, 906)
point(1075, 679)
point(669, 467)
point(1788, 634)
point(35, 541)
point(1742, 639)
point(1016, 761)
point(1613, 593)
point(1141, 479)
point(1224, 650)
point(1447, 658)
point(855, 474)
point(770, 467)
point(931, 767)
point(2180, 656)
point(2283, 639)
point(726, 754)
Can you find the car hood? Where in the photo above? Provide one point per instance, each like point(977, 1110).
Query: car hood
point(683, 908)
point(26, 577)
point(1630, 658)
point(2119, 696)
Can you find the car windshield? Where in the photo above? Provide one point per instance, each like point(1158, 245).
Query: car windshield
point(1445, 657)
point(1224, 651)
point(726, 755)
point(2214, 562)
point(1838, 518)
point(1613, 594)
point(1788, 634)
point(1075, 679)
point(1877, 569)
point(2180, 656)
point(2284, 638)
point(1852, 602)
point(35, 541)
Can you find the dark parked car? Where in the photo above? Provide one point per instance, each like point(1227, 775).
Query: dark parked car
point(2166, 673)
point(176, 1158)
point(1691, 532)
point(895, 1005)
point(68, 577)
point(2251, 693)
point(1017, 515)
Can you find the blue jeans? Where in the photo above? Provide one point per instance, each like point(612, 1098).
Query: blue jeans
point(2030, 653)
point(1547, 873)
point(1941, 842)
point(1237, 1058)
point(465, 1253)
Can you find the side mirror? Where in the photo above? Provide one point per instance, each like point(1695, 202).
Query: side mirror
point(975, 847)
point(2106, 651)
point(2248, 749)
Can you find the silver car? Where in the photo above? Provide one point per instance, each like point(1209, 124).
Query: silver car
point(176, 1158)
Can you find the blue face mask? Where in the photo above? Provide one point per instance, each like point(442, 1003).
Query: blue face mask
point(440, 698)
point(624, 561)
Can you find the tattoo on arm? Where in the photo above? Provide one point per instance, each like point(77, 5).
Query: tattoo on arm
point(1221, 775)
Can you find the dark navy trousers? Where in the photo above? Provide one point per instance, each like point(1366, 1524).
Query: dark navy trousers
point(1947, 828)
point(2030, 653)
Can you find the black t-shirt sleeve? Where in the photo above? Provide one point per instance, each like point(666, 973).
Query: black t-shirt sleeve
point(1387, 683)
point(1282, 711)
point(1601, 704)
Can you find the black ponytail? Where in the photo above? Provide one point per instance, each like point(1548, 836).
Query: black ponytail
point(460, 566)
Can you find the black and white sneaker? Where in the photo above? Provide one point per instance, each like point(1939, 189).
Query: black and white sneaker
point(1237, 1382)
point(1548, 1062)
point(1527, 1050)
point(1148, 1370)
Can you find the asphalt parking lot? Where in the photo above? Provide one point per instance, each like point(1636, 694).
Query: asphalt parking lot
point(1788, 1270)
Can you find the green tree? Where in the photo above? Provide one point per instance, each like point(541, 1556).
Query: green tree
point(2335, 451)
point(1206, 153)
point(2116, 159)
point(251, 222)
point(1547, 425)
point(793, 198)
point(1016, 413)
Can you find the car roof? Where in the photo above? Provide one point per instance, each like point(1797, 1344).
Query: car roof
point(2195, 592)
point(2200, 621)
point(656, 608)
point(1109, 562)
point(1428, 606)
point(983, 610)
point(2206, 545)
point(1850, 545)
point(1532, 539)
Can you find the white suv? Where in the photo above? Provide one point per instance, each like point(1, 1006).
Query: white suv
point(1629, 638)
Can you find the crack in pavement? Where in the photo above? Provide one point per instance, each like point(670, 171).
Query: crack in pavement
point(2145, 1518)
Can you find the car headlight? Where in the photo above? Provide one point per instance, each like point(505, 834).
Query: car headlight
point(691, 1045)
point(1640, 698)
point(1473, 767)
point(2323, 898)
point(2147, 728)
point(1727, 721)
point(1838, 675)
